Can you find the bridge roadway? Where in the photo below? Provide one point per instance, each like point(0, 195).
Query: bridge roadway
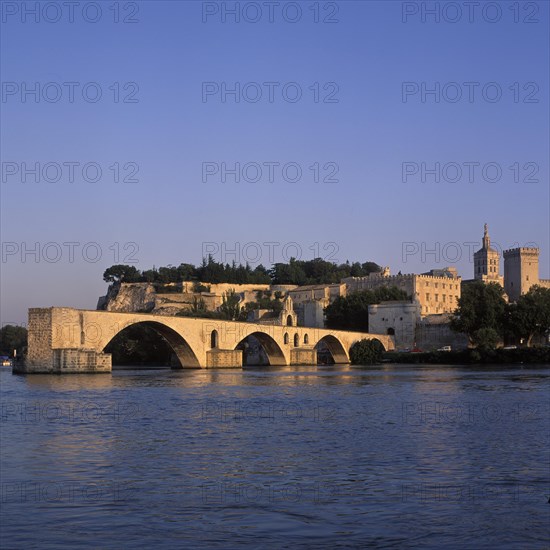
point(63, 340)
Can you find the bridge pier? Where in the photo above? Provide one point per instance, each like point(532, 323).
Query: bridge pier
point(303, 356)
point(46, 353)
point(216, 358)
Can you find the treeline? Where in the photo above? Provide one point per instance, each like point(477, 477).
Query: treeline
point(488, 319)
point(13, 337)
point(295, 272)
point(536, 355)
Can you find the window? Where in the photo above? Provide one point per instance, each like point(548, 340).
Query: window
point(214, 339)
point(437, 297)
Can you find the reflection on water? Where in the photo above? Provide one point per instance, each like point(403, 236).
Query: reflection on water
point(393, 456)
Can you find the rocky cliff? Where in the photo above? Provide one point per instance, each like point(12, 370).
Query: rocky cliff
point(142, 298)
point(129, 297)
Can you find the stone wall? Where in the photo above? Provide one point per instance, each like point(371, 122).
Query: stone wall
point(40, 351)
point(397, 318)
point(51, 332)
point(80, 361)
point(434, 335)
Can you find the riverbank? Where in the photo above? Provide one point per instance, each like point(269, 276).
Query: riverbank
point(473, 356)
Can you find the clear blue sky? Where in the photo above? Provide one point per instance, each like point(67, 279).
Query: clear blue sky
point(369, 213)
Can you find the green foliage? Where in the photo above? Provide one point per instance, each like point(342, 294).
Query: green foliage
point(481, 306)
point(199, 287)
point(119, 273)
point(265, 301)
point(13, 337)
point(317, 271)
point(352, 312)
point(230, 309)
point(485, 317)
point(366, 352)
point(199, 306)
point(296, 272)
point(485, 339)
point(530, 315)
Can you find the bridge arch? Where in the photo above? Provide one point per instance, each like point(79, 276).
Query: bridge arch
point(274, 353)
point(336, 348)
point(183, 351)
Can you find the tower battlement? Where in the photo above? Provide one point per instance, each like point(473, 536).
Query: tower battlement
point(522, 250)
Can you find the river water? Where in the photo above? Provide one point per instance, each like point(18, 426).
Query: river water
point(395, 456)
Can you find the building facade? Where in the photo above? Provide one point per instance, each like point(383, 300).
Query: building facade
point(397, 319)
point(436, 292)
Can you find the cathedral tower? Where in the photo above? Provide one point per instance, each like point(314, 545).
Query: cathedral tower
point(487, 262)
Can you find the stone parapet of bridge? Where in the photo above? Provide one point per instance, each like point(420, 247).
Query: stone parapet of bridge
point(63, 340)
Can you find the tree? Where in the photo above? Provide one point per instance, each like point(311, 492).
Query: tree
point(530, 315)
point(198, 306)
point(230, 308)
point(481, 306)
point(13, 337)
point(297, 272)
point(366, 352)
point(485, 339)
point(121, 273)
point(352, 312)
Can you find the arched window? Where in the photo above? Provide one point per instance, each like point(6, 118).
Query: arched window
point(391, 331)
point(306, 339)
point(214, 339)
point(289, 321)
point(286, 338)
point(296, 340)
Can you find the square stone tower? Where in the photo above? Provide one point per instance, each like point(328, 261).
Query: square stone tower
point(521, 271)
point(487, 262)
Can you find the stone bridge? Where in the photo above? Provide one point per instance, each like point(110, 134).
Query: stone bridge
point(63, 340)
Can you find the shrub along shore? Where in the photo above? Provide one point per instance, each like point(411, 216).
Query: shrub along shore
point(532, 355)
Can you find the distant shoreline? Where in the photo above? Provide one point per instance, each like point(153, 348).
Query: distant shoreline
point(534, 355)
